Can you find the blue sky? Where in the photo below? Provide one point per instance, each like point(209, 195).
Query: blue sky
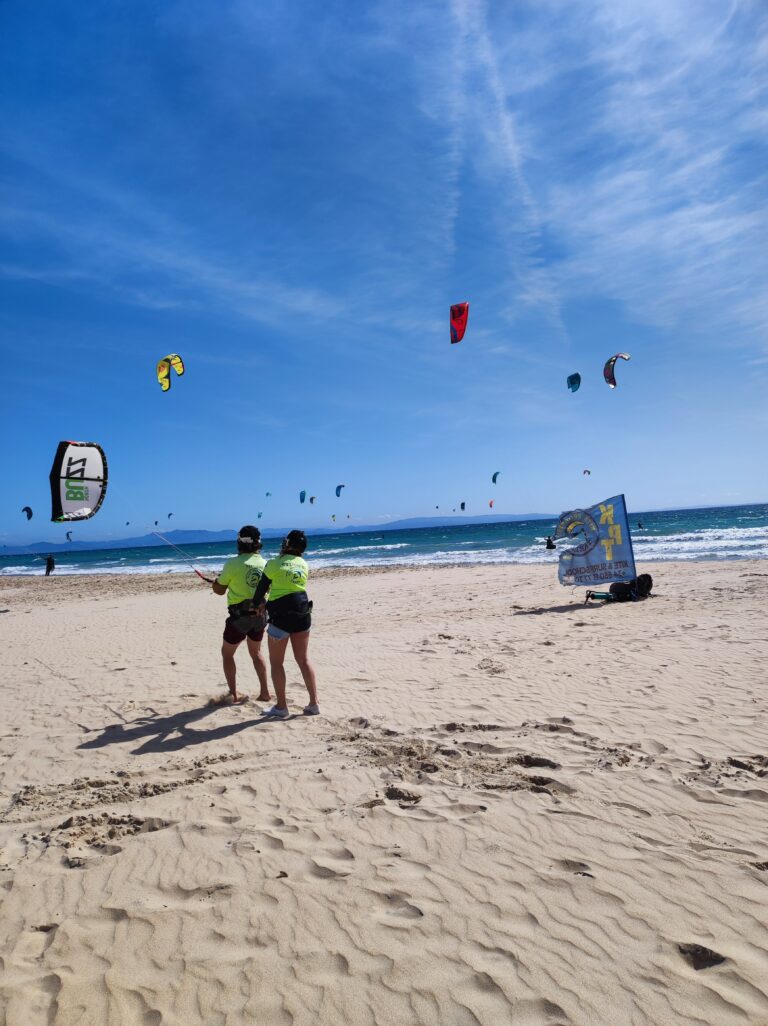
point(292, 194)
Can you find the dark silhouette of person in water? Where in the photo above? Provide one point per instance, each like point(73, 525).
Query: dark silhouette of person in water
point(550, 543)
point(640, 525)
point(50, 563)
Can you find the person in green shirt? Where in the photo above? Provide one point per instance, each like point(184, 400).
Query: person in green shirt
point(290, 617)
point(238, 581)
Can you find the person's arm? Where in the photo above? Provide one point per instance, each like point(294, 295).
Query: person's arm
point(262, 590)
point(221, 583)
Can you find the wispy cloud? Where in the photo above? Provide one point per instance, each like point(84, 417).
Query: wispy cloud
point(668, 216)
point(492, 112)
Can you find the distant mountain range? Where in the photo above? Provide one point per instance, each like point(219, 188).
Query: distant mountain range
point(209, 537)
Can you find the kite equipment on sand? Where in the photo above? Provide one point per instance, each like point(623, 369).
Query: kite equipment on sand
point(28, 511)
point(608, 370)
point(603, 550)
point(623, 591)
point(164, 369)
point(573, 381)
point(459, 315)
point(78, 481)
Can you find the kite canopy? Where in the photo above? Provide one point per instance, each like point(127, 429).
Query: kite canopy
point(28, 511)
point(78, 481)
point(459, 315)
point(495, 476)
point(312, 500)
point(490, 504)
point(586, 472)
point(338, 490)
point(608, 370)
point(463, 506)
point(302, 495)
point(170, 515)
point(573, 381)
point(69, 536)
point(333, 517)
point(164, 369)
point(269, 495)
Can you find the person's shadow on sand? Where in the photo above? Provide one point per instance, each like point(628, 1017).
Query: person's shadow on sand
point(169, 733)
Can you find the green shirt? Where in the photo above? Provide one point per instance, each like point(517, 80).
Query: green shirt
point(241, 575)
point(288, 575)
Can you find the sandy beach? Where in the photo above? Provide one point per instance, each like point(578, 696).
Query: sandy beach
point(514, 808)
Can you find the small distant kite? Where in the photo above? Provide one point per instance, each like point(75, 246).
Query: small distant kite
point(587, 472)
point(495, 476)
point(463, 506)
point(333, 517)
point(608, 370)
point(78, 481)
point(338, 490)
point(157, 523)
point(459, 315)
point(269, 495)
point(258, 516)
point(164, 369)
point(312, 500)
point(28, 511)
point(302, 495)
point(490, 504)
point(127, 523)
point(573, 381)
point(69, 536)
point(170, 515)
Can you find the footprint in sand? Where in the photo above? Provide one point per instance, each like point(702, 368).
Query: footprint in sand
point(575, 866)
point(396, 910)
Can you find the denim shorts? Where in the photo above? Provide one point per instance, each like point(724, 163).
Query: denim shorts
point(278, 633)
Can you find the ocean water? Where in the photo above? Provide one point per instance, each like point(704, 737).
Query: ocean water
point(728, 532)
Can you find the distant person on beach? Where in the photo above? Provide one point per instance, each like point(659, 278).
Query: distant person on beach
point(290, 618)
point(50, 565)
point(550, 543)
point(238, 581)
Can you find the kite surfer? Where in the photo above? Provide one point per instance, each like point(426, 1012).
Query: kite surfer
point(238, 581)
point(290, 617)
point(50, 565)
point(550, 543)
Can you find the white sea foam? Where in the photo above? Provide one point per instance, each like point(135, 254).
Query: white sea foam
point(711, 543)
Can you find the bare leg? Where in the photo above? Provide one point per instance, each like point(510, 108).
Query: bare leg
point(230, 669)
point(300, 646)
point(260, 666)
point(277, 647)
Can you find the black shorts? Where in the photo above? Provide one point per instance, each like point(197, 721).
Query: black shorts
point(291, 613)
point(237, 627)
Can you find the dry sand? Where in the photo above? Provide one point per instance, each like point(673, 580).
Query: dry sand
point(513, 810)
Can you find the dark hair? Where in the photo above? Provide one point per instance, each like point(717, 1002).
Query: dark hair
point(295, 542)
point(248, 539)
